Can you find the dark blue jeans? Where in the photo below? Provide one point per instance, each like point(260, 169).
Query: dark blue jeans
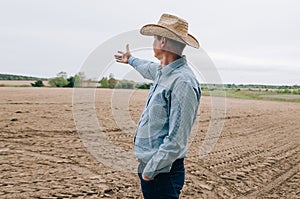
point(164, 185)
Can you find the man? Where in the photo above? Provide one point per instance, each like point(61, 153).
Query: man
point(161, 138)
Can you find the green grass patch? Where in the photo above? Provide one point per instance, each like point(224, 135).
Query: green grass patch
point(252, 94)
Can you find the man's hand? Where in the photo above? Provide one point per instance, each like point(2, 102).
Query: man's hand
point(146, 178)
point(123, 57)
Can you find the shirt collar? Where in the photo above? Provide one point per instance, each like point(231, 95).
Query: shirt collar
point(172, 66)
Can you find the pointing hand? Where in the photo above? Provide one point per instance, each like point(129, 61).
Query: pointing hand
point(123, 57)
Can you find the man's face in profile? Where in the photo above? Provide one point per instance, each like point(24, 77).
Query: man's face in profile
point(157, 47)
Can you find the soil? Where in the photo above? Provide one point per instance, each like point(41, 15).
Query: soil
point(43, 156)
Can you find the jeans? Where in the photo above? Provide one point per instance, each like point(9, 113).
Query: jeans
point(164, 185)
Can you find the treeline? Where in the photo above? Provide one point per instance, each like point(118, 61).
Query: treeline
point(280, 89)
point(18, 77)
point(257, 86)
point(249, 86)
point(61, 80)
point(111, 82)
point(79, 80)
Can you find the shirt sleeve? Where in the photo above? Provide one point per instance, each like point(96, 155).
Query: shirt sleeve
point(183, 111)
point(146, 68)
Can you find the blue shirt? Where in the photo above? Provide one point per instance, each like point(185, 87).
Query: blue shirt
point(170, 111)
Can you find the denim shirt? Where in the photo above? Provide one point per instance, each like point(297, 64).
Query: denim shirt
point(170, 111)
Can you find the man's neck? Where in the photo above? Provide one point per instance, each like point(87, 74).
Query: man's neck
point(168, 58)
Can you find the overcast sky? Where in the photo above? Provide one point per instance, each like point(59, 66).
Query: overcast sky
point(250, 41)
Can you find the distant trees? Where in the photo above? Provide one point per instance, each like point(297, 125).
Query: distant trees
point(37, 83)
point(59, 81)
point(126, 84)
point(104, 83)
point(18, 77)
point(73, 81)
point(297, 92)
point(143, 86)
point(62, 81)
point(80, 80)
point(112, 82)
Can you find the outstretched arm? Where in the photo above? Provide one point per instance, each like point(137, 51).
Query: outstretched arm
point(146, 68)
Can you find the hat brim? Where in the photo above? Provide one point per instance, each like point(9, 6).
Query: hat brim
point(154, 29)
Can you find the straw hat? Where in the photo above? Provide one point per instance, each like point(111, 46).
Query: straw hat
point(172, 27)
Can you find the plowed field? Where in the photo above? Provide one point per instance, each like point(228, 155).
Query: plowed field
point(42, 155)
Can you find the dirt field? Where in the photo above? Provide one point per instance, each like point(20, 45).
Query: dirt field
point(41, 155)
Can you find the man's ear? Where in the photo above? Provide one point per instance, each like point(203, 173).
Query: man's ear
point(163, 42)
